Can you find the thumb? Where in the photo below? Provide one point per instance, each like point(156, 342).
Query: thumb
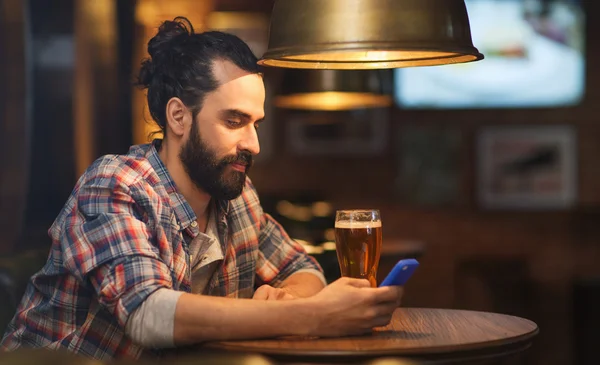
point(262, 293)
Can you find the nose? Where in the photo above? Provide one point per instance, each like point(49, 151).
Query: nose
point(249, 141)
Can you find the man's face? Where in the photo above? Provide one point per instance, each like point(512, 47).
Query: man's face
point(222, 140)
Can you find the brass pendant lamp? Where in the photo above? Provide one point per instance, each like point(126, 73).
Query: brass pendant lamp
point(335, 90)
point(368, 34)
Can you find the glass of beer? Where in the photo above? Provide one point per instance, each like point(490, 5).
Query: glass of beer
point(358, 243)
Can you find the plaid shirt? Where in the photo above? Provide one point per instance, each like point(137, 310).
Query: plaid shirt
point(120, 237)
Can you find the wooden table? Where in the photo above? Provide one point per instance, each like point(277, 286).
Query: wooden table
point(433, 335)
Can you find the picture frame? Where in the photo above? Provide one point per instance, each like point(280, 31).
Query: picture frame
point(361, 132)
point(527, 167)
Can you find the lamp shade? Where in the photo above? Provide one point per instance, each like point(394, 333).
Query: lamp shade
point(333, 90)
point(368, 34)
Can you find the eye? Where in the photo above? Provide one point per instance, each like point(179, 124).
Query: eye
point(233, 123)
point(256, 126)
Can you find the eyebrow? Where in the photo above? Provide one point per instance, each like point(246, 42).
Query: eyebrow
point(236, 113)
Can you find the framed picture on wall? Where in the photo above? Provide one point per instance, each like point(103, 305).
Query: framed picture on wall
point(527, 167)
point(361, 132)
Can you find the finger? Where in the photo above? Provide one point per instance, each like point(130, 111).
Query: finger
point(388, 294)
point(261, 293)
point(287, 296)
point(273, 294)
point(382, 321)
point(400, 295)
point(385, 309)
point(358, 283)
point(282, 294)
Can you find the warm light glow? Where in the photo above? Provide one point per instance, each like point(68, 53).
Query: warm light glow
point(309, 248)
point(322, 209)
point(285, 208)
point(151, 13)
point(362, 60)
point(329, 246)
point(302, 214)
point(332, 100)
point(370, 55)
point(329, 234)
point(294, 212)
point(237, 20)
point(95, 29)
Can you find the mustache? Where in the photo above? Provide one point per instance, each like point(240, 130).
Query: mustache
point(242, 158)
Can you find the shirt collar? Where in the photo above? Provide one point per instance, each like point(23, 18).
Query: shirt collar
point(184, 214)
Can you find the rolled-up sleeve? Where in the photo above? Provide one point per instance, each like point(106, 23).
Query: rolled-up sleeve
point(107, 242)
point(280, 256)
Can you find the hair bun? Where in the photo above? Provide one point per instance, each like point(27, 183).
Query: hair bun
point(168, 32)
point(162, 43)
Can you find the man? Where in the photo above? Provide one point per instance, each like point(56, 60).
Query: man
point(168, 245)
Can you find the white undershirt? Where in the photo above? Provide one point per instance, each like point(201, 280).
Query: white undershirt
point(152, 323)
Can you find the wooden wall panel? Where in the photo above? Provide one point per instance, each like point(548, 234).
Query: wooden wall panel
point(15, 120)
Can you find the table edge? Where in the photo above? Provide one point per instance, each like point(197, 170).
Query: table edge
point(490, 346)
point(438, 350)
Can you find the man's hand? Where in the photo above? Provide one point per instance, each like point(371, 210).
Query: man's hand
point(345, 307)
point(298, 285)
point(351, 307)
point(267, 292)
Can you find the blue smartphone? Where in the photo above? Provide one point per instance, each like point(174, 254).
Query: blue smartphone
point(401, 272)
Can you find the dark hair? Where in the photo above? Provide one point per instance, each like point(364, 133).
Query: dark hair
point(180, 65)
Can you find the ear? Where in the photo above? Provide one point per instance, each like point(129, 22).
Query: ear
point(179, 117)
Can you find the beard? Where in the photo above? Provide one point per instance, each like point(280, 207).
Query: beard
point(210, 173)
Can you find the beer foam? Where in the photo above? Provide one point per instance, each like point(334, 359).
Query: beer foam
point(357, 224)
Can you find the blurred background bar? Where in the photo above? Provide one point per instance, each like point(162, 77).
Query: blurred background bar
point(487, 172)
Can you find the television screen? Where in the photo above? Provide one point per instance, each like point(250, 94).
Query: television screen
point(534, 57)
